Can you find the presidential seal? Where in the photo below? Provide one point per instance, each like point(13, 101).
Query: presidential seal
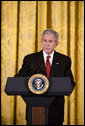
point(38, 84)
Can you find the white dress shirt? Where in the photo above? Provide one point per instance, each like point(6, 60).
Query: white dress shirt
point(45, 57)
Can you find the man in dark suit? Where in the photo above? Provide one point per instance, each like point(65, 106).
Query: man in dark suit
point(60, 67)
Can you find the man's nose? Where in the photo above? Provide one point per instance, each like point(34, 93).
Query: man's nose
point(47, 43)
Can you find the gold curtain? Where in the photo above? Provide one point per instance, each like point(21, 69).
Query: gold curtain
point(22, 23)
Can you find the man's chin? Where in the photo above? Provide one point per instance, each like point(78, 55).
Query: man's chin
point(47, 51)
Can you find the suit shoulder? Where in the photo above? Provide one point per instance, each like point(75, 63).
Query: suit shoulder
point(66, 57)
point(32, 55)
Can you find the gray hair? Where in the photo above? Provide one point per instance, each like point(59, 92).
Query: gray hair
point(50, 32)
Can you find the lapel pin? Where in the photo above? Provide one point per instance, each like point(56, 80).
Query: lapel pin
point(57, 63)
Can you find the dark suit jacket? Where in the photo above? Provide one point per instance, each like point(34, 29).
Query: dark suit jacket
point(61, 67)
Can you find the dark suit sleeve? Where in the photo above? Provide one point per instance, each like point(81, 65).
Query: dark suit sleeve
point(24, 71)
point(68, 72)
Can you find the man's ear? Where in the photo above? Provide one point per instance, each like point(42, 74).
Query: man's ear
point(57, 43)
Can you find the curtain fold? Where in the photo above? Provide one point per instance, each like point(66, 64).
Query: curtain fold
point(22, 24)
point(8, 57)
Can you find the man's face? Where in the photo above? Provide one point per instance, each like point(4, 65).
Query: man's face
point(49, 43)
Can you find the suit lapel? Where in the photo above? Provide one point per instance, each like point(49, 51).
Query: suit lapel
point(41, 63)
point(55, 64)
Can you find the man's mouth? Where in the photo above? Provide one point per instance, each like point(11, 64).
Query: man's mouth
point(47, 48)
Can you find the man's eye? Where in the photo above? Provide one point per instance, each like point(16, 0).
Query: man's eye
point(50, 41)
point(45, 40)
